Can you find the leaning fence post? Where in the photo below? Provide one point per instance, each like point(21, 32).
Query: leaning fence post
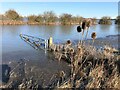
point(50, 42)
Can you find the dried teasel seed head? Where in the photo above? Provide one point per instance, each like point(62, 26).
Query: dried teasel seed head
point(79, 29)
point(71, 50)
point(88, 24)
point(69, 42)
point(93, 35)
point(84, 25)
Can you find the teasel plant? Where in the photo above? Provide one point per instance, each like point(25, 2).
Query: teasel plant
point(79, 29)
point(88, 24)
point(93, 36)
point(84, 27)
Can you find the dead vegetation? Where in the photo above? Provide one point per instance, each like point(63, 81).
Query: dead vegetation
point(90, 67)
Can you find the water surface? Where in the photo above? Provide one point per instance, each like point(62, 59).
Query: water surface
point(11, 41)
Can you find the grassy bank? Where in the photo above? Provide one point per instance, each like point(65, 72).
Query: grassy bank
point(12, 22)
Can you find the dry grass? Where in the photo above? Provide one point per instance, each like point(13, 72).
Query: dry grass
point(88, 62)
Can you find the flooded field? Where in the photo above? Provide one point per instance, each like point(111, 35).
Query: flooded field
point(38, 66)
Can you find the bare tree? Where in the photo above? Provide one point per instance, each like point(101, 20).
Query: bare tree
point(39, 19)
point(49, 17)
point(105, 20)
point(12, 15)
point(65, 19)
point(32, 18)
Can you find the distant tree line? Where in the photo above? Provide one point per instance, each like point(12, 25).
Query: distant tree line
point(49, 17)
point(105, 20)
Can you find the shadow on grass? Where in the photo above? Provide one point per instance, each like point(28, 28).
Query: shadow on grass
point(5, 73)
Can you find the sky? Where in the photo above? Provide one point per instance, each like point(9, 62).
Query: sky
point(85, 9)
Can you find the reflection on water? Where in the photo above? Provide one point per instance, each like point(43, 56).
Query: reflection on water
point(66, 29)
point(94, 27)
point(105, 28)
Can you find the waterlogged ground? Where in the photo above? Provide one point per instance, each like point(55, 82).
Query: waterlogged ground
point(41, 70)
point(110, 40)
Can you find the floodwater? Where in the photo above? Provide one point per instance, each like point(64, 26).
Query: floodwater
point(14, 48)
point(12, 43)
